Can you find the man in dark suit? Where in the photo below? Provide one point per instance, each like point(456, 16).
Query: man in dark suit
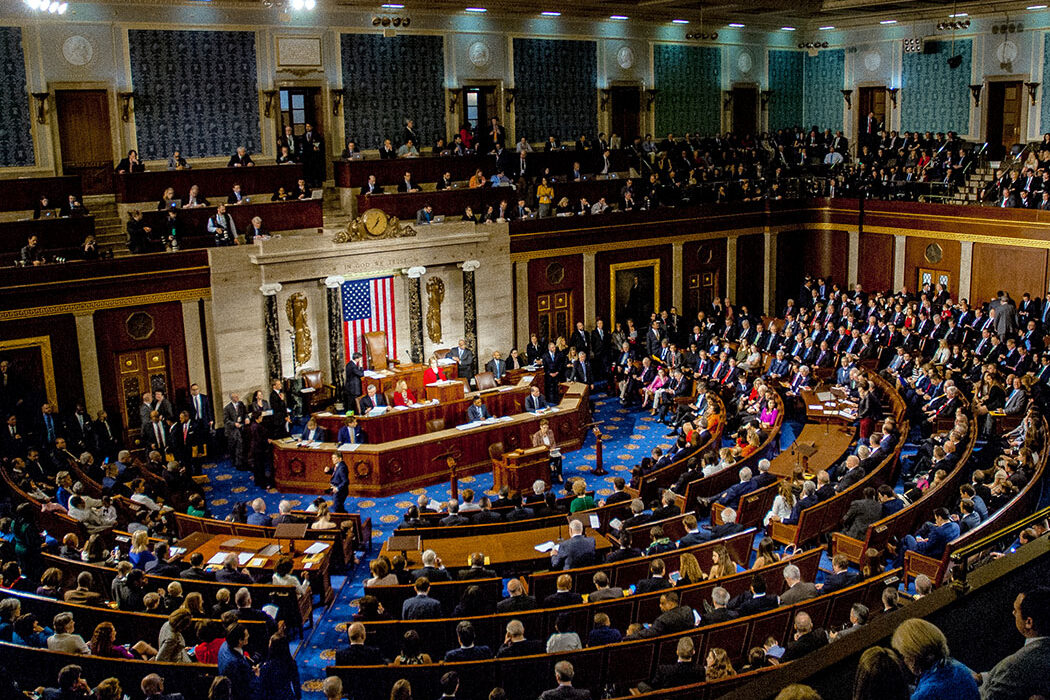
point(755, 600)
point(672, 618)
point(183, 439)
point(453, 518)
point(840, 576)
point(477, 569)
point(564, 595)
point(563, 673)
point(655, 581)
point(229, 573)
point(535, 401)
point(234, 418)
point(432, 569)
point(807, 638)
point(862, 513)
point(1024, 673)
point(196, 570)
point(371, 399)
point(554, 368)
point(421, 606)
point(576, 551)
point(340, 482)
point(515, 643)
point(351, 432)
point(371, 187)
point(358, 653)
point(497, 365)
point(517, 600)
point(720, 612)
point(353, 372)
point(465, 357)
point(467, 651)
point(852, 475)
point(682, 672)
point(155, 434)
point(582, 371)
point(477, 411)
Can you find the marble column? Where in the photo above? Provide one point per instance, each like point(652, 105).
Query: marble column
point(731, 268)
point(769, 267)
point(271, 320)
point(965, 269)
point(677, 277)
point(415, 311)
point(589, 291)
point(899, 243)
point(521, 301)
point(853, 258)
point(89, 362)
point(334, 303)
point(470, 308)
point(191, 324)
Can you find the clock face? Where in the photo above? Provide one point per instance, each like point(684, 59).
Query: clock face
point(375, 221)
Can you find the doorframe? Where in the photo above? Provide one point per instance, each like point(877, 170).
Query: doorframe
point(120, 141)
point(605, 116)
point(1026, 105)
point(759, 126)
point(334, 134)
point(454, 115)
point(857, 116)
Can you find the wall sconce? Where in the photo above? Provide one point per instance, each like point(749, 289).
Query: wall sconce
point(650, 98)
point(604, 102)
point(509, 94)
point(41, 103)
point(893, 95)
point(846, 96)
point(765, 96)
point(126, 105)
point(270, 96)
point(337, 101)
point(453, 100)
point(1033, 88)
point(975, 90)
point(727, 100)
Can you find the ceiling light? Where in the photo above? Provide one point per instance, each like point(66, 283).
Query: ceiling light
point(551, 14)
point(959, 14)
point(393, 6)
point(476, 9)
point(618, 17)
point(736, 25)
point(826, 27)
point(888, 21)
point(1036, 7)
point(679, 21)
point(787, 29)
point(65, 6)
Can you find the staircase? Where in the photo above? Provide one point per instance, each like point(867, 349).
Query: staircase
point(109, 229)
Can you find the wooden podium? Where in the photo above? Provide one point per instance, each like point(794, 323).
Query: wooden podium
point(518, 469)
point(446, 392)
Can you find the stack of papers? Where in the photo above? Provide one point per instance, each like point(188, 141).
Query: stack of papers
point(317, 547)
point(546, 547)
point(217, 559)
point(506, 388)
point(348, 446)
point(376, 411)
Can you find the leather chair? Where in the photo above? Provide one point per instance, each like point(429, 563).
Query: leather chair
point(376, 347)
point(485, 380)
point(321, 395)
point(389, 394)
point(442, 353)
point(435, 424)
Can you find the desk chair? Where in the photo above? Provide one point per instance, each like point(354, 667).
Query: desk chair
point(435, 424)
point(321, 395)
point(375, 345)
point(485, 380)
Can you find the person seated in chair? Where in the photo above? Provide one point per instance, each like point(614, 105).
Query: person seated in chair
point(478, 411)
point(578, 550)
point(351, 433)
point(313, 432)
point(372, 399)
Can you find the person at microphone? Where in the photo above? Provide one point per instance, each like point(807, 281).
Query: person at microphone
point(433, 373)
point(545, 436)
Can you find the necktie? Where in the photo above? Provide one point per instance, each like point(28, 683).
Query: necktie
point(50, 427)
point(13, 431)
point(160, 434)
point(185, 431)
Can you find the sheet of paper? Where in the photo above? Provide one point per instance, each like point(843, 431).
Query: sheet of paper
point(595, 522)
point(244, 557)
point(545, 547)
point(257, 563)
point(308, 565)
point(506, 388)
point(315, 444)
point(217, 558)
point(814, 407)
point(400, 408)
point(377, 410)
point(231, 543)
point(348, 447)
point(317, 547)
point(615, 523)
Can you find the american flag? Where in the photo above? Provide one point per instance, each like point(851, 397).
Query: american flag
point(368, 305)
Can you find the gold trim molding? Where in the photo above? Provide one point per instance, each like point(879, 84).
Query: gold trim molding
point(82, 307)
point(44, 343)
point(633, 265)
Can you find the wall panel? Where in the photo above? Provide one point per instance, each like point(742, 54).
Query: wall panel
point(689, 82)
point(934, 96)
point(699, 257)
point(875, 257)
point(603, 260)
point(16, 138)
point(543, 278)
point(750, 272)
point(557, 84)
point(915, 258)
point(65, 358)
point(1009, 268)
point(785, 80)
point(824, 76)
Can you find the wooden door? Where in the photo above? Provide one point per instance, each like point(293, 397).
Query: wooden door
point(1004, 100)
point(625, 102)
point(299, 107)
point(85, 139)
point(479, 107)
point(870, 100)
point(745, 110)
point(139, 371)
point(555, 314)
point(703, 290)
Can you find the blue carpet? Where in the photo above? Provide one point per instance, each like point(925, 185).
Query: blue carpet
point(631, 436)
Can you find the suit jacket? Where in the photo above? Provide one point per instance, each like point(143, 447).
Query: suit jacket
point(420, 607)
point(516, 604)
point(566, 692)
point(850, 478)
point(803, 645)
point(574, 552)
point(862, 513)
point(352, 382)
point(497, 367)
point(797, 593)
point(475, 653)
point(340, 476)
point(679, 619)
point(535, 403)
point(358, 655)
point(561, 599)
point(652, 583)
point(231, 413)
point(675, 675)
point(477, 413)
point(834, 582)
point(368, 403)
point(1020, 675)
point(752, 605)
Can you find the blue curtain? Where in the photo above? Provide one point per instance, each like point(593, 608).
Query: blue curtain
point(824, 75)
point(934, 96)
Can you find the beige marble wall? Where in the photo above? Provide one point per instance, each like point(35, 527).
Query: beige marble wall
point(298, 262)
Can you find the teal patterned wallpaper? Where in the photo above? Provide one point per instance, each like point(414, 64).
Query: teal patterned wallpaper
point(16, 137)
point(933, 96)
point(822, 102)
point(786, 81)
point(1044, 107)
point(557, 84)
point(688, 79)
point(390, 79)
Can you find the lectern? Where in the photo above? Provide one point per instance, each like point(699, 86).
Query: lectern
point(519, 469)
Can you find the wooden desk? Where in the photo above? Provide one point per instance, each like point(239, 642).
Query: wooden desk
point(506, 552)
point(446, 392)
point(829, 412)
point(23, 193)
point(276, 216)
point(58, 236)
point(398, 423)
point(390, 173)
point(313, 567)
point(816, 448)
point(404, 464)
point(412, 373)
point(213, 182)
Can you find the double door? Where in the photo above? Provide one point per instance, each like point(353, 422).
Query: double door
point(139, 371)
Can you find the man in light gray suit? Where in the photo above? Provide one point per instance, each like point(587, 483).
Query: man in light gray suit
point(1026, 672)
point(797, 590)
point(234, 418)
point(1003, 313)
point(575, 551)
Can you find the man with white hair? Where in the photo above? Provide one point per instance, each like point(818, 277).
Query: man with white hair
point(721, 612)
point(433, 569)
point(539, 492)
point(515, 644)
point(563, 674)
point(424, 503)
point(332, 688)
point(807, 638)
point(797, 589)
point(284, 513)
point(258, 515)
point(852, 475)
point(576, 551)
point(731, 496)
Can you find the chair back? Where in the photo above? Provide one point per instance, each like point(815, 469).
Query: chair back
point(485, 380)
point(375, 343)
point(496, 451)
point(441, 353)
point(435, 424)
point(312, 378)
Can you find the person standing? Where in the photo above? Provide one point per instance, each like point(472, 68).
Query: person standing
point(352, 382)
point(259, 451)
point(234, 416)
point(340, 482)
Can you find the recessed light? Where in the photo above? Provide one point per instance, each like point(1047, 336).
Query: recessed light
point(959, 14)
point(787, 29)
point(736, 25)
point(618, 17)
point(1036, 7)
point(680, 21)
point(888, 21)
point(393, 6)
point(826, 27)
point(551, 14)
point(476, 9)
